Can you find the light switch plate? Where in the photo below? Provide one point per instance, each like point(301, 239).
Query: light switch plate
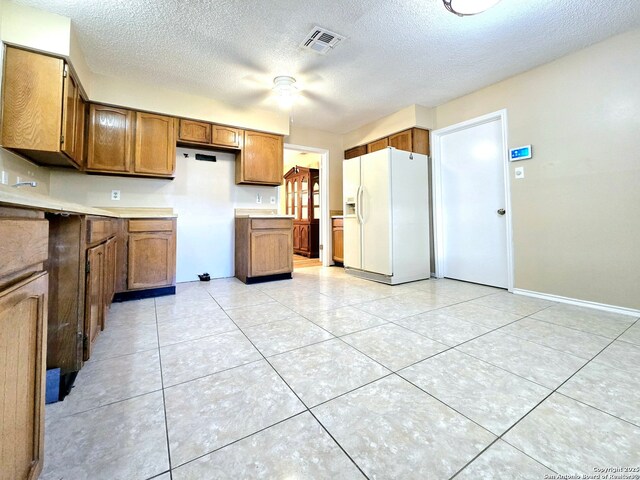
point(519, 172)
point(115, 195)
point(258, 198)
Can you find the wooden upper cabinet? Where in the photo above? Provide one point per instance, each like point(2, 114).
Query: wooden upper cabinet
point(377, 145)
point(192, 131)
point(110, 139)
point(355, 152)
point(155, 145)
point(261, 161)
point(38, 107)
point(81, 120)
point(203, 133)
point(412, 140)
point(226, 136)
point(69, 115)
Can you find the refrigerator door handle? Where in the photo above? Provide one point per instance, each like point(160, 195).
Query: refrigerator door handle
point(359, 204)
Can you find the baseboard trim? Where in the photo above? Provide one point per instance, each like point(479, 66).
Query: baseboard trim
point(141, 294)
point(579, 303)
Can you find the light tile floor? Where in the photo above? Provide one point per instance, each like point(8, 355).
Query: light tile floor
point(329, 376)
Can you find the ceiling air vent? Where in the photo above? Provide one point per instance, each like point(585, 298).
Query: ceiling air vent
point(321, 40)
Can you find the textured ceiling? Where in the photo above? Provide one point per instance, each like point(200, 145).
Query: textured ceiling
point(397, 52)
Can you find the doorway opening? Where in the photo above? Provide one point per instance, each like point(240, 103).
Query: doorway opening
point(304, 194)
point(471, 203)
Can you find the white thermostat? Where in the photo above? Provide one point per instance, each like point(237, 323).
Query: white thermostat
point(520, 153)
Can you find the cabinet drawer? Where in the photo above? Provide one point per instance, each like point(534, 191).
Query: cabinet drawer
point(151, 225)
point(25, 243)
point(99, 229)
point(337, 222)
point(268, 223)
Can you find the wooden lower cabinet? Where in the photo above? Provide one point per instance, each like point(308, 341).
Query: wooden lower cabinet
point(23, 342)
point(23, 316)
point(337, 237)
point(94, 303)
point(263, 247)
point(82, 263)
point(151, 253)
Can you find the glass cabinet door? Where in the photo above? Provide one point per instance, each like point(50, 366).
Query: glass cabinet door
point(316, 200)
point(289, 198)
point(304, 198)
point(296, 199)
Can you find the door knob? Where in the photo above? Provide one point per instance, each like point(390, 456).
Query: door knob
point(502, 211)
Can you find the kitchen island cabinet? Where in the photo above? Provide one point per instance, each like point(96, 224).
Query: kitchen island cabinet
point(263, 248)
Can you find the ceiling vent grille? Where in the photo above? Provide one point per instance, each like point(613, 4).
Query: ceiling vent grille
point(321, 40)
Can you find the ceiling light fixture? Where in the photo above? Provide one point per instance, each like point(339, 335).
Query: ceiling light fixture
point(463, 8)
point(285, 90)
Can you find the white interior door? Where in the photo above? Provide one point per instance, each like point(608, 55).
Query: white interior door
point(472, 203)
point(375, 212)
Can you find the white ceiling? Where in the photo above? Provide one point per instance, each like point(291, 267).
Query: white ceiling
point(397, 52)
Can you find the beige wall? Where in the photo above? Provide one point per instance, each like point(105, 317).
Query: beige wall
point(576, 220)
point(121, 91)
point(309, 137)
point(411, 116)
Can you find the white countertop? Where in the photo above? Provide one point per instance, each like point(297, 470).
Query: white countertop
point(18, 198)
point(259, 213)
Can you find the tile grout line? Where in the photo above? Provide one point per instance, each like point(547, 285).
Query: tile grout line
point(307, 409)
point(542, 401)
point(164, 399)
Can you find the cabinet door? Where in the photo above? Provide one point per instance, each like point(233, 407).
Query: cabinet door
point(304, 238)
point(226, 136)
point(402, 141)
point(261, 159)
point(155, 146)
point(338, 241)
point(151, 260)
point(81, 118)
point(355, 152)
point(190, 131)
point(271, 252)
point(69, 115)
point(23, 312)
point(32, 101)
point(110, 139)
point(296, 237)
point(109, 275)
point(94, 297)
point(378, 145)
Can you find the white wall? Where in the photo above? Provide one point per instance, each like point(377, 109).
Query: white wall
point(576, 220)
point(203, 194)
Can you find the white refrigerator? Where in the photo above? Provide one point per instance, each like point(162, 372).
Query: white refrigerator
point(386, 216)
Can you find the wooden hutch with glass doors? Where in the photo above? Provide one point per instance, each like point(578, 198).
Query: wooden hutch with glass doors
point(302, 187)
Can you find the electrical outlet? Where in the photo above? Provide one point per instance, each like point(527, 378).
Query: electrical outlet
point(4, 178)
point(258, 198)
point(115, 195)
point(272, 200)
